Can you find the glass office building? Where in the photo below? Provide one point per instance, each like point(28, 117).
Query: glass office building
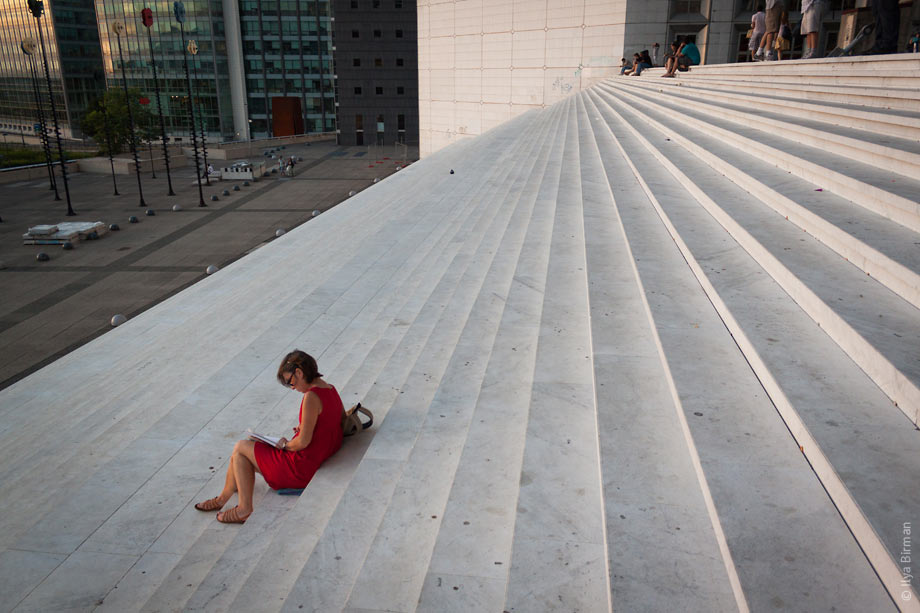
point(287, 55)
point(263, 68)
point(208, 69)
point(74, 63)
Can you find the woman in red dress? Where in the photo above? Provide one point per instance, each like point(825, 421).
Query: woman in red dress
point(290, 464)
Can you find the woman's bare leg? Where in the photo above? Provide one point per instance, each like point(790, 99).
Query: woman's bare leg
point(812, 38)
point(229, 483)
point(244, 467)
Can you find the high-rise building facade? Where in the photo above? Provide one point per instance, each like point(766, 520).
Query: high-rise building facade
point(74, 64)
point(262, 68)
point(287, 56)
point(376, 53)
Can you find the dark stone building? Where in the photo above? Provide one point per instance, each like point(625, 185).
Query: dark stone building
point(376, 63)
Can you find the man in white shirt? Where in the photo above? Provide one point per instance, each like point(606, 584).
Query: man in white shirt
point(812, 15)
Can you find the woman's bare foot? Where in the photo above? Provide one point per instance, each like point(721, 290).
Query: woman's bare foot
point(233, 516)
point(212, 504)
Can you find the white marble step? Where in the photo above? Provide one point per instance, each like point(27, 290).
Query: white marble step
point(889, 80)
point(129, 463)
point(896, 62)
point(892, 100)
point(241, 551)
point(865, 185)
point(872, 100)
point(780, 526)
point(402, 288)
point(472, 550)
point(878, 246)
point(897, 149)
point(657, 510)
point(338, 555)
point(901, 71)
point(425, 482)
point(238, 561)
point(878, 119)
point(558, 550)
point(878, 329)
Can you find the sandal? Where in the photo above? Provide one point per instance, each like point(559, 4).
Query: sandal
point(213, 504)
point(232, 516)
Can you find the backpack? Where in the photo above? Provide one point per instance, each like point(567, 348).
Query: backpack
point(351, 420)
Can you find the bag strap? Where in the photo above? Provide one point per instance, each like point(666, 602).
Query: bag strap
point(352, 422)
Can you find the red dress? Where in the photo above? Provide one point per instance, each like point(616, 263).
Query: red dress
point(294, 469)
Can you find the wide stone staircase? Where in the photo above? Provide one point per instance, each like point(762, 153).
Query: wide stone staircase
point(654, 348)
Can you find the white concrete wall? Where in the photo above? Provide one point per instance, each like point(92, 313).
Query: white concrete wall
point(482, 62)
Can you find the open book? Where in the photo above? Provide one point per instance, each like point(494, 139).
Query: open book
point(270, 440)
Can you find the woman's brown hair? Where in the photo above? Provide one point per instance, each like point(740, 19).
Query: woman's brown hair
point(298, 359)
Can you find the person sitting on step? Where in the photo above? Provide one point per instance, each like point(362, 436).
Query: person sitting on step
point(686, 54)
point(290, 464)
point(644, 61)
point(635, 64)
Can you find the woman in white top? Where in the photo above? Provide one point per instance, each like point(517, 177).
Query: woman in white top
point(759, 25)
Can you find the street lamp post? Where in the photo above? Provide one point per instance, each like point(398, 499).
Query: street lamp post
point(29, 47)
point(108, 141)
point(204, 142)
point(118, 29)
point(192, 47)
point(147, 17)
point(37, 7)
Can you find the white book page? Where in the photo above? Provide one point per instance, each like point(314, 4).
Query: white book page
point(271, 440)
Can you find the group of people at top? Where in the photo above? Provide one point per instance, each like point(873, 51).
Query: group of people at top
point(683, 55)
point(770, 33)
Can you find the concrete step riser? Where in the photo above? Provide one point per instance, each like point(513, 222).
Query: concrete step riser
point(559, 520)
point(647, 456)
point(868, 99)
point(885, 157)
point(481, 549)
point(433, 461)
point(887, 204)
point(903, 392)
point(895, 276)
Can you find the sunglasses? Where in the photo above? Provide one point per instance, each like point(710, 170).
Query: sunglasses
point(290, 381)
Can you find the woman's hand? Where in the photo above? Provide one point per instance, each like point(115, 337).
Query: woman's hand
point(281, 443)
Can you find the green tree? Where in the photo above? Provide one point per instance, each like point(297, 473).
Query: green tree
point(111, 109)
